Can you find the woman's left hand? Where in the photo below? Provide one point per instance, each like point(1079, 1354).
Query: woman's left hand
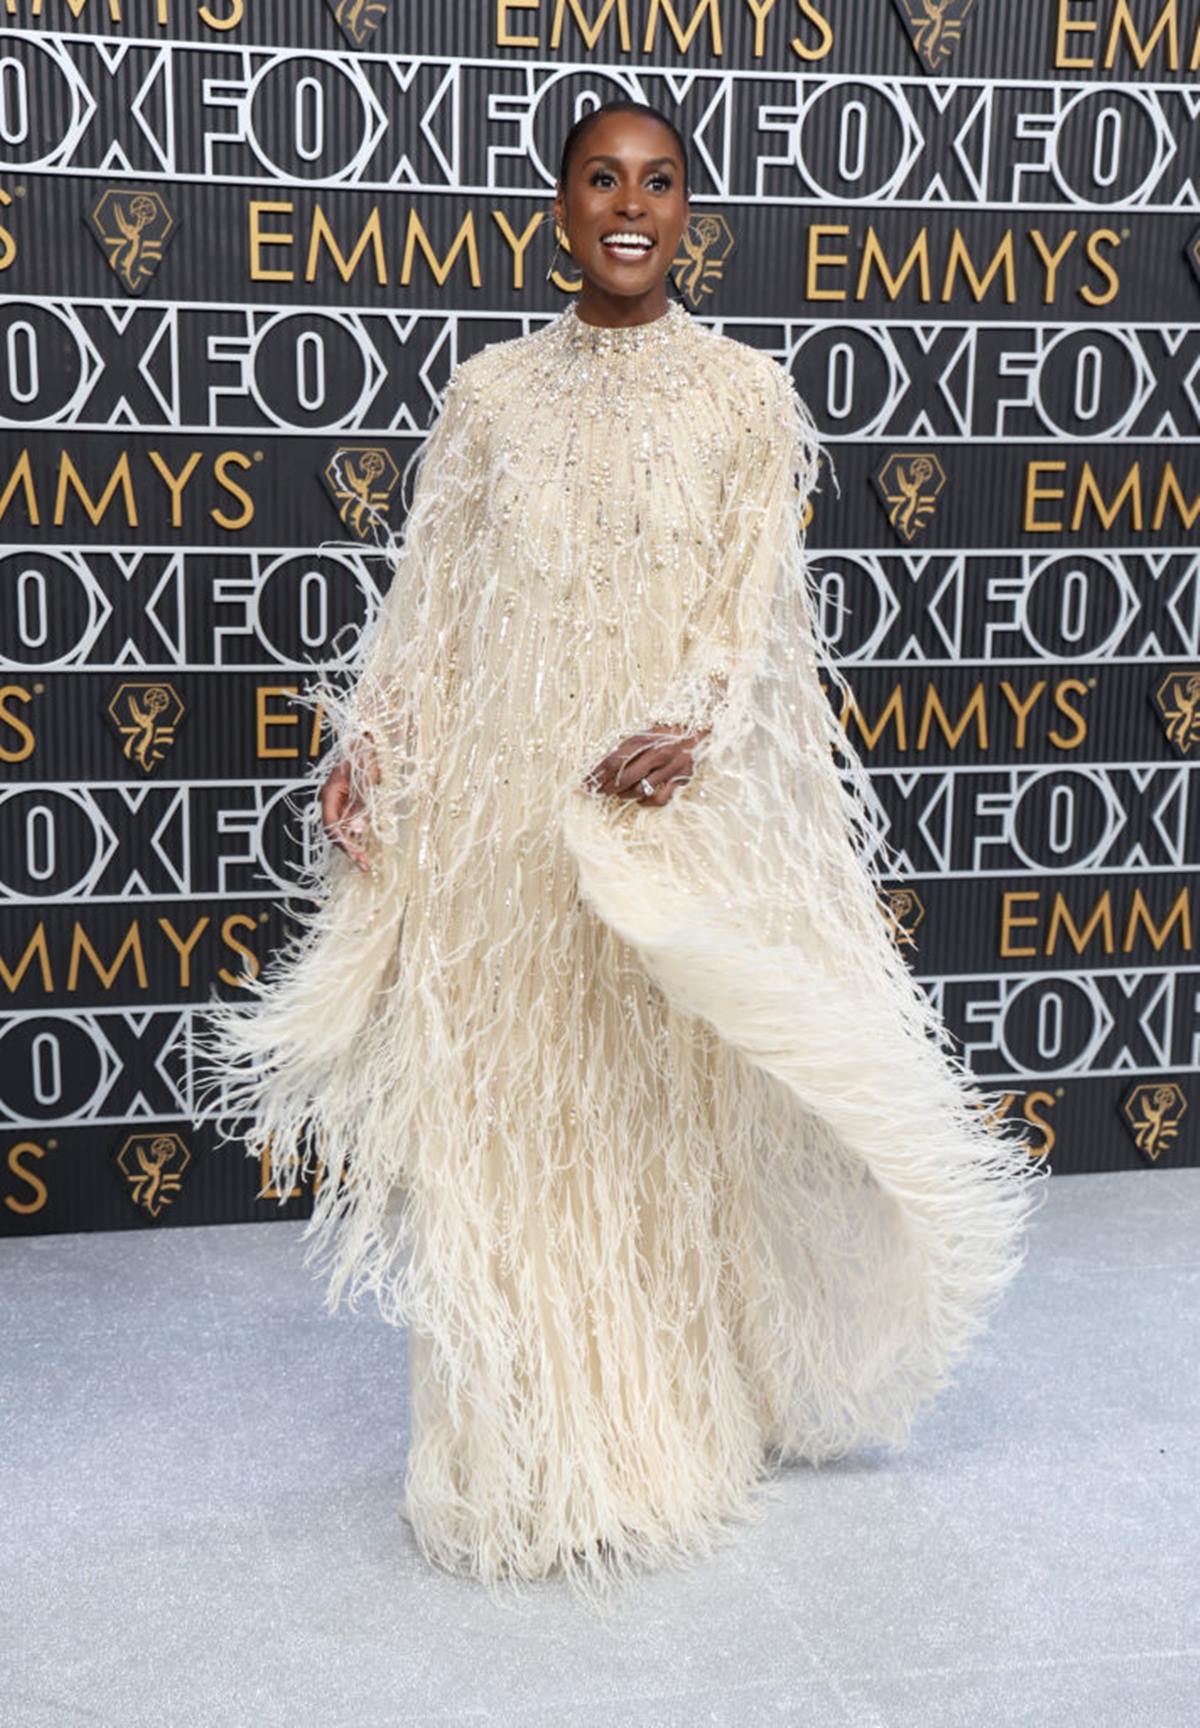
point(661, 755)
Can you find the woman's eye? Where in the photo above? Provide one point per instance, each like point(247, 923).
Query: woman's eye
point(604, 174)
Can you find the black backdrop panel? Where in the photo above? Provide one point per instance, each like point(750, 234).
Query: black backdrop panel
point(241, 242)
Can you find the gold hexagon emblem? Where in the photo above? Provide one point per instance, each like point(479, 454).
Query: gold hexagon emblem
point(910, 483)
point(905, 911)
point(133, 226)
point(360, 479)
point(934, 28)
point(705, 245)
point(1152, 1113)
point(359, 19)
point(1177, 700)
point(145, 717)
point(153, 1166)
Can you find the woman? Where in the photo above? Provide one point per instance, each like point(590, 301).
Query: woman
point(619, 1092)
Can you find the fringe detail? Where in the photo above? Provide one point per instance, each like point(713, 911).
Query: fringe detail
point(634, 1115)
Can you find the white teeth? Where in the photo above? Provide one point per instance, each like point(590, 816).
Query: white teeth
point(627, 242)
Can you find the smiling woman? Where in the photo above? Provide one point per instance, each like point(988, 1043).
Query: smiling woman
point(628, 211)
point(624, 1098)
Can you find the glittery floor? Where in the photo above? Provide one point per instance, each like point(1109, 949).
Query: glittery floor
point(200, 1469)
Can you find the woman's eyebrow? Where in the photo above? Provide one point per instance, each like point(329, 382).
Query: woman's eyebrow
point(650, 164)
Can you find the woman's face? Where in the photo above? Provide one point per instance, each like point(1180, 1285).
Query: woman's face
point(625, 175)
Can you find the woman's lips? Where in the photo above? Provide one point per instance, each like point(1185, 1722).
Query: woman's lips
point(628, 254)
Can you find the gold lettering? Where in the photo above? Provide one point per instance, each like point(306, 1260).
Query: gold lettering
point(976, 709)
point(873, 257)
point(893, 711)
point(811, 15)
point(183, 947)
point(1030, 1113)
point(503, 37)
point(17, 1151)
point(266, 1178)
point(230, 23)
point(1060, 916)
point(22, 476)
point(683, 38)
point(1060, 740)
point(35, 948)
point(960, 259)
point(1123, 25)
point(78, 7)
point(518, 242)
point(760, 11)
point(238, 921)
point(590, 33)
point(1170, 491)
point(1180, 913)
point(417, 237)
point(1131, 489)
point(818, 260)
point(7, 243)
point(260, 237)
point(175, 483)
point(1021, 709)
point(1105, 237)
point(23, 750)
point(264, 718)
point(113, 8)
point(1029, 1102)
point(1010, 920)
point(230, 459)
point(1051, 260)
point(320, 234)
point(1128, 499)
point(120, 478)
point(1123, 29)
point(81, 946)
point(1068, 26)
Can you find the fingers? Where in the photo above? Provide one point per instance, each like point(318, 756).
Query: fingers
point(343, 815)
point(619, 772)
point(667, 790)
point(364, 757)
point(663, 757)
point(350, 837)
point(664, 788)
point(665, 769)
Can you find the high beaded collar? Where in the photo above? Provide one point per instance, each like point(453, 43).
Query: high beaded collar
point(602, 339)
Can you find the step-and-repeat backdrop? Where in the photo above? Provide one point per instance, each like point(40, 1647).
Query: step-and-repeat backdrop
point(243, 244)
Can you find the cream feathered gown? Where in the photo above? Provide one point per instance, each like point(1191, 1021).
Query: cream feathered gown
point(634, 1115)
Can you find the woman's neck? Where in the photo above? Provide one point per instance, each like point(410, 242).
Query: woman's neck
point(617, 312)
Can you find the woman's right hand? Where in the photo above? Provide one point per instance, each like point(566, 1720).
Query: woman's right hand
point(342, 810)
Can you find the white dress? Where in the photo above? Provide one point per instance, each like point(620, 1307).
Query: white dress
point(634, 1115)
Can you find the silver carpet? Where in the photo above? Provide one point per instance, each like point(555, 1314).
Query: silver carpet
point(200, 1476)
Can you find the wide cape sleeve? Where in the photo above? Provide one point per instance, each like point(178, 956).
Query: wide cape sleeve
point(890, 1190)
point(299, 1070)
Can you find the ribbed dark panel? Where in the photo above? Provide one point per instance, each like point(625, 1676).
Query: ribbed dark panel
point(1019, 666)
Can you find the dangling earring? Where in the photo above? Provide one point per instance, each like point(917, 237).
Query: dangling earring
point(554, 258)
